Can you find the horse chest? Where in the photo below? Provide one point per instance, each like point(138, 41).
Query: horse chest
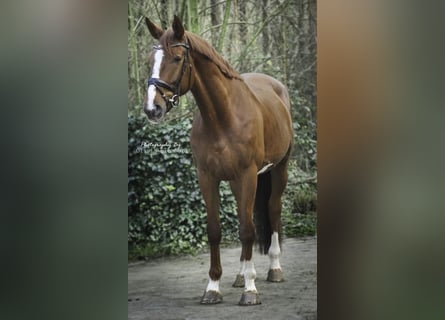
point(219, 159)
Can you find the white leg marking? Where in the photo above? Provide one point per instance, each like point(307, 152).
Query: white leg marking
point(151, 92)
point(213, 285)
point(274, 252)
point(249, 277)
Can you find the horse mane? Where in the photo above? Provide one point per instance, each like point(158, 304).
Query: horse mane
point(201, 46)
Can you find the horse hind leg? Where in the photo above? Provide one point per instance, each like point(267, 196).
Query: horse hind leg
point(278, 181)
point(275, 273)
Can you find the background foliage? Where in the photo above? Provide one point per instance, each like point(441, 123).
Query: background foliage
point(166, 213)
point(165, 207)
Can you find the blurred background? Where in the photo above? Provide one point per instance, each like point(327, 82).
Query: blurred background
point(166, 211)
point(380, 141)
point(65, 115)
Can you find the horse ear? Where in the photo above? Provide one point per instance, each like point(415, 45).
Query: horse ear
point(178, 28)
point(155, 30)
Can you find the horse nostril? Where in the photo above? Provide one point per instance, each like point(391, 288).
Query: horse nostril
point(154, 113)
point(157, 111)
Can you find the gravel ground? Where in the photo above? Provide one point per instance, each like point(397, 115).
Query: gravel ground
point(171, 288)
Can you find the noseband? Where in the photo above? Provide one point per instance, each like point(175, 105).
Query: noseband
point(176, 86)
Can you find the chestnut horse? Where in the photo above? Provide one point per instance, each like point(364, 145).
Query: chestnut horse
point(241, 134)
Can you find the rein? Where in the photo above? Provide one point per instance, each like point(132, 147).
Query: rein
point(159, 83)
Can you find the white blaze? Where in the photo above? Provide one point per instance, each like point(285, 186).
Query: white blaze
point(274, 252)
point(151, 92)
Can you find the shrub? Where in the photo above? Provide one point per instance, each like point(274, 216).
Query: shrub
point(166, 212)
point(299, 203)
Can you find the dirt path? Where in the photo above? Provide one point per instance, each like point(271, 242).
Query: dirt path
point(170, 289)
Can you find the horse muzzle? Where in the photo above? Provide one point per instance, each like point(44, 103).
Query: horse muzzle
point(155, 113)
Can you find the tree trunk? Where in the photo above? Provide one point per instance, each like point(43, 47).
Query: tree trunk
point(284, 69)
point(134, 54)
point(215, 18)
point(224, 25)
point(192, 15)
point(242, 27)
point(265, 29)
point(163, 12)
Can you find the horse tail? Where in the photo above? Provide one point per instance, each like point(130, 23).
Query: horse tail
point(261, 213)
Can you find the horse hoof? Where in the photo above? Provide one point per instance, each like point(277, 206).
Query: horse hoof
point(211, 297)
point(249, 298)
point(239, 281)
point(275, 275)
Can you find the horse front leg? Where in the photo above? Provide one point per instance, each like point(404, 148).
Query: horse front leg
point(244, 190)
point(209, 189)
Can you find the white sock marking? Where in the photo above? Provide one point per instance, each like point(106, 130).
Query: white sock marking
point(249, 277)
point(213, 285)
point(274, 252)
point(151, 92)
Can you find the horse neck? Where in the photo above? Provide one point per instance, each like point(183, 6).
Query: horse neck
point(213, 95)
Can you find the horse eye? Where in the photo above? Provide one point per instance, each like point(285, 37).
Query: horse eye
point(177, 57)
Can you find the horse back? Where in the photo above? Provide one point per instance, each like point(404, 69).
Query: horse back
point(274, 104)
point(265, 88)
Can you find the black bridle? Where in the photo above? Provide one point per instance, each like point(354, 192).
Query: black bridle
point(175, 88)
